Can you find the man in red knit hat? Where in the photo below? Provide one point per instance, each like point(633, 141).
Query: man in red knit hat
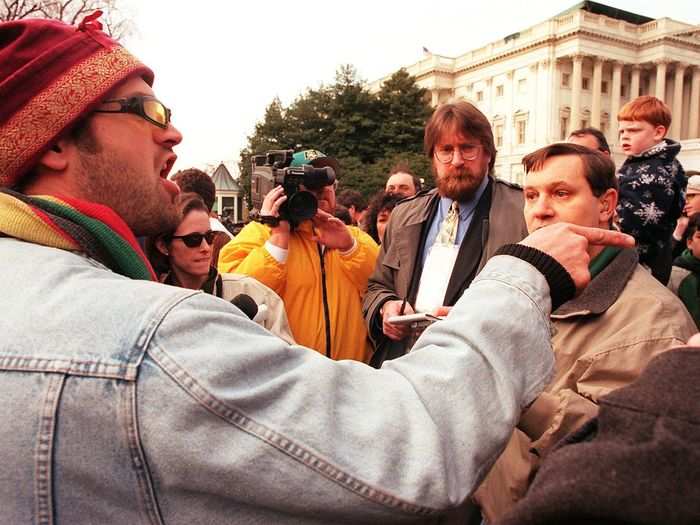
point(127, 401)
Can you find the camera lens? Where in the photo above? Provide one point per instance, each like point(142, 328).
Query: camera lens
point(317, 178)
point(301, 206)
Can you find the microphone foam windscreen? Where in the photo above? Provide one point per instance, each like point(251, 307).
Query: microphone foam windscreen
point(245, 304)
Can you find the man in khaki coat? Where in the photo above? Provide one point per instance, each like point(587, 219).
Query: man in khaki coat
point(416, 272)
point(603, 338)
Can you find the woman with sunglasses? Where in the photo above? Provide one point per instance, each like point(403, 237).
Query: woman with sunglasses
point(183, 257)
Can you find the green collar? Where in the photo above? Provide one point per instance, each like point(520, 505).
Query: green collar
point(688, 261)
point(601, 260)
point(605, 288)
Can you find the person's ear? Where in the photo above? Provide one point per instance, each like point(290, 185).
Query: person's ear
point(56, 158)
point(161, 246)
point(608, 203)
point(660, 132)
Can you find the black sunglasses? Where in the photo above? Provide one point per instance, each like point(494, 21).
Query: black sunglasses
point(147, 107)
point(194, 240)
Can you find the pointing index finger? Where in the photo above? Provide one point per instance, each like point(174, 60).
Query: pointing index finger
point(601, 237)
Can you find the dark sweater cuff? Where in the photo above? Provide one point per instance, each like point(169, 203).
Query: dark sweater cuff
point(561, 285)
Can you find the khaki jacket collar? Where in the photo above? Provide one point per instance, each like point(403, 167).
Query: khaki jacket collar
point(604, 289)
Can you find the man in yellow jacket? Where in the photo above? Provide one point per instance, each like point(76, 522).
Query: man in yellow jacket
point(319, 268)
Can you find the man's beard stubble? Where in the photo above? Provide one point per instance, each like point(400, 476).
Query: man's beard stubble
point(139, 200)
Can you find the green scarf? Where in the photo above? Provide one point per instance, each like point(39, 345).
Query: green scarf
point(601, 260)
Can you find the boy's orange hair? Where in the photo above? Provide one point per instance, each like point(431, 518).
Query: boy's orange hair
point(647, 108)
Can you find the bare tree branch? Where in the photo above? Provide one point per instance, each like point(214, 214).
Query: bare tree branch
point(17, 9)
point(72, 12)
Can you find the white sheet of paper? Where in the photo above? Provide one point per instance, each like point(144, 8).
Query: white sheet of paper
point(435, 277)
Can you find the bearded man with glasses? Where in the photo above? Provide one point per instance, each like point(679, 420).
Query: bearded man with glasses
point(437, 241)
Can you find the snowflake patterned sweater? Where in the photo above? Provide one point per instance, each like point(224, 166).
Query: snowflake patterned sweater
point(652, 195)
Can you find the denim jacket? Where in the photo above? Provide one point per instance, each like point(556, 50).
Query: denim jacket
point(134, 402)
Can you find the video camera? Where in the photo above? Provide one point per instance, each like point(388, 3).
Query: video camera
point(273, 169)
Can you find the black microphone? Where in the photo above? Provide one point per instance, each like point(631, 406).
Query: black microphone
point(245, 304)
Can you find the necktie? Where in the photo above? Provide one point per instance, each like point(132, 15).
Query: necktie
point(448, 228)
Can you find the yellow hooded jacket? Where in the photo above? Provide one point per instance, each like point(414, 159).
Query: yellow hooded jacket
point(300, 283)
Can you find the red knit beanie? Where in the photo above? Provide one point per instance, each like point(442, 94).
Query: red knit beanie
point(51, 74)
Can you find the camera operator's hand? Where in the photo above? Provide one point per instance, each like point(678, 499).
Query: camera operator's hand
point(331, 232)
point(271, 206)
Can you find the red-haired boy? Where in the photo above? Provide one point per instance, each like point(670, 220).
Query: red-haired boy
point(652, 182)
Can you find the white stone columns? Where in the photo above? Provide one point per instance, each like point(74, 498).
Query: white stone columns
point(661, 66)
point(532, 81)
point(434, 98)
point(634, 82)
point(597, 83)
point(510, 136)
point(552, 132)
point(575, 119)
point(235, 208)
point(677, 115)
point(694, 104)
point(615, 101)
point(543, 118)
point(489, 96)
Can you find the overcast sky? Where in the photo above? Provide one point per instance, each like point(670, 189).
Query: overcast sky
point(219, 63)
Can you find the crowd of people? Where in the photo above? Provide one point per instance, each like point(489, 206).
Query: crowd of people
point(478, 352)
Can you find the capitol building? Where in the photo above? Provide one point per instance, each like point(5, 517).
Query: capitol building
point(574, 70)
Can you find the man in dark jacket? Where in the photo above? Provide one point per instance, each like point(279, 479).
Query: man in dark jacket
point(438, 240)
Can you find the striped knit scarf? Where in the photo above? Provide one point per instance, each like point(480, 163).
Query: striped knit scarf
point(75, 225)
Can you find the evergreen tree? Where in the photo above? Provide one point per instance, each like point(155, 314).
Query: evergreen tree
point(403, 110)
point(367, 133)
point(352, 112)
point(308, 120)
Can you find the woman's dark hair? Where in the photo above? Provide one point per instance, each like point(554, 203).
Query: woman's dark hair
point(188, 202)
point(196, 181)
point(380, 201)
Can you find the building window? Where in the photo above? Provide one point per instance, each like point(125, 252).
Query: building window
point(604, 86)
point(522, 85)
point(521, 131)
point(499, 90)
point(498, 132)
point(585, 82)
point(565, 80)
point(564, 127)
point(623, 91)
point(604, 127)
point(584, 123)
point(479, 96)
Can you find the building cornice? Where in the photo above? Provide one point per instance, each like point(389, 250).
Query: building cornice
point(558, 39)
point(558, 30)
